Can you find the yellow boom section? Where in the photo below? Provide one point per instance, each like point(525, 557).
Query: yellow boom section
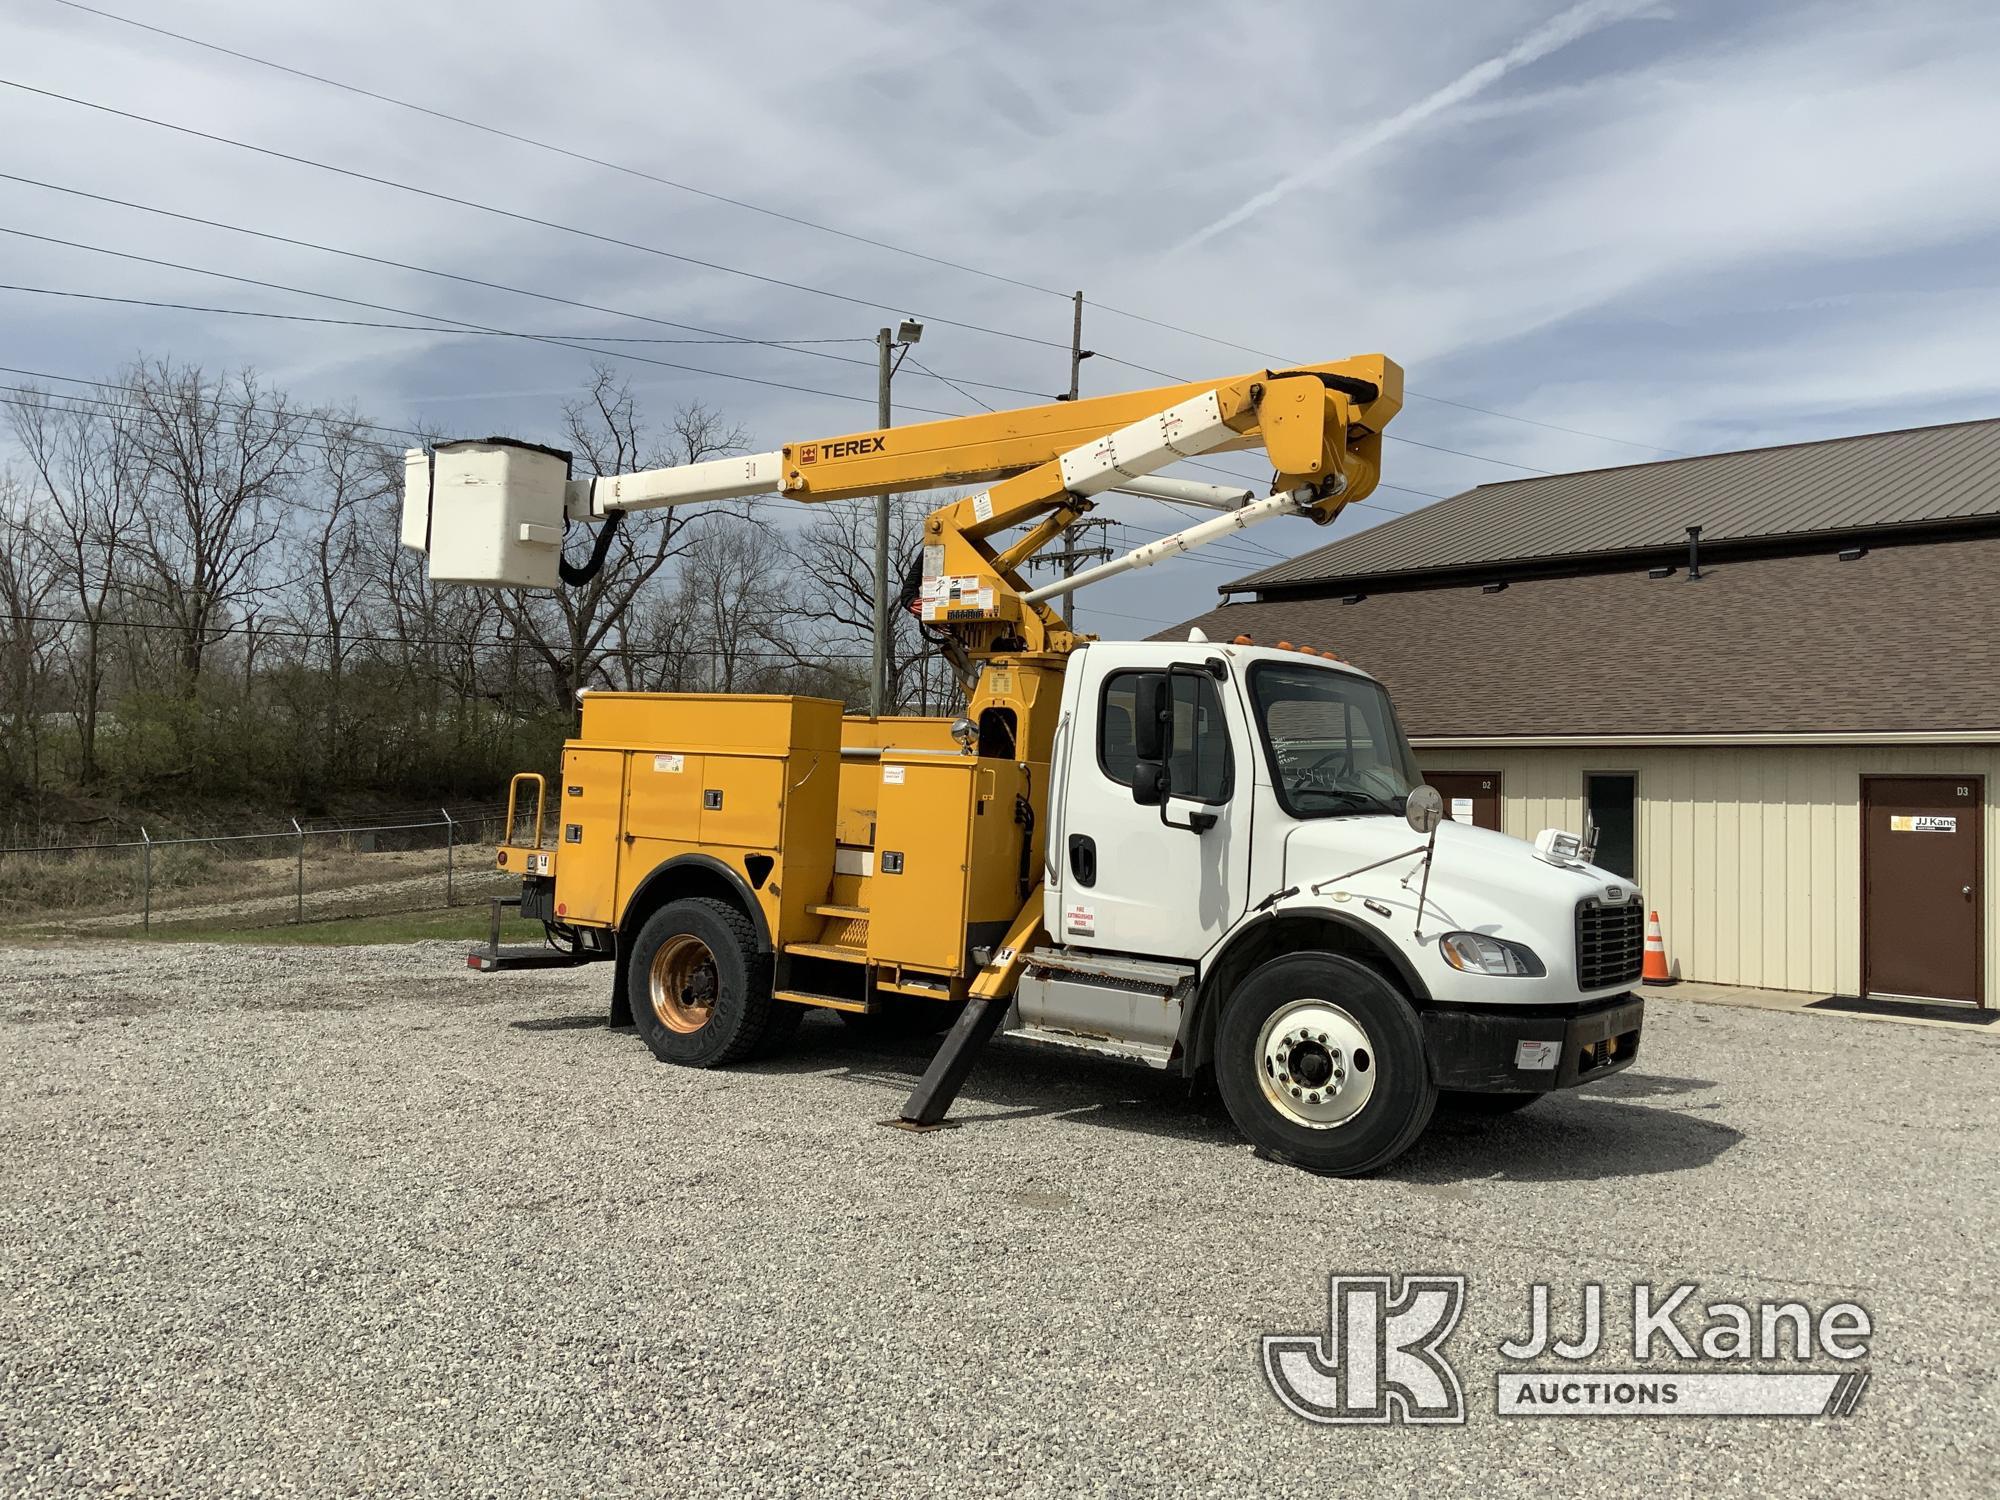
point(995, 445)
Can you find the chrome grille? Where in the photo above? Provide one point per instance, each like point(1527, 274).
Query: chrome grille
point(1610, 943)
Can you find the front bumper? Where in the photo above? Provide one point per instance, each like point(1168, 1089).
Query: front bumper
point(1497, 1050)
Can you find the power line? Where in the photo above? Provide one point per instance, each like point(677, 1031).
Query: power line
point(801, 221)
point(585, 157)
point(253, 312)
point(112, 385)
point(954, 384)
point(105, 409)
point(500, 333)
point(645, 359)
point(796, 346)
point(522, 218)
point(588, 234)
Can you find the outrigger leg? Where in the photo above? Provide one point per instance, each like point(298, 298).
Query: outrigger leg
point(992, 995)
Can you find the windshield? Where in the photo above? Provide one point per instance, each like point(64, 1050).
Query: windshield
point(1334, 742)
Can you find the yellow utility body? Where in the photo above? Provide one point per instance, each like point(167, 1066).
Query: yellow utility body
point(876, 843)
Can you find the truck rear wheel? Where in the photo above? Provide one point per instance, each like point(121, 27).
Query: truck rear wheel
point(1321, 1064)
point(700, 991)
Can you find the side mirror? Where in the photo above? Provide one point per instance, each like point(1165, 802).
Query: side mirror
point(1149, 783)
point(1152, 707)
point(1424, 809)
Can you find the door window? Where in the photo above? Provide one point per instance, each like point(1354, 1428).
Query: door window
point(1612, 799)
point(1200, 765)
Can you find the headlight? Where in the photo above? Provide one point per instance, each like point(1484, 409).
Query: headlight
point(1474, 953)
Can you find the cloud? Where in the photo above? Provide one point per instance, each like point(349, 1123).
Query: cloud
point(1607, 237)
point(1571, 25)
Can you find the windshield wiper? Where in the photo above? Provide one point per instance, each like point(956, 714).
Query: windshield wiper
point(1360, 799)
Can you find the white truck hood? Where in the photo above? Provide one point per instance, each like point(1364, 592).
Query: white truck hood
point(1480, 881)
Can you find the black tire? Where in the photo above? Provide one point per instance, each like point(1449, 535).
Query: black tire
point(1357, 1067)
point(904, 1017)
point(1459, 1101)
point(699, 990)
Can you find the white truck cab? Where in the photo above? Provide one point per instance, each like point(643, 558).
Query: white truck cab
point(1238, 876)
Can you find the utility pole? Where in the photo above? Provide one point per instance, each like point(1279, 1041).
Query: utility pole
point(878, 682)
point(1071, 554)
point(1077, 343)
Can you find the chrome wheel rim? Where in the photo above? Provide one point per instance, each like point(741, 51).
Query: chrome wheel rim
point(1316, 1063)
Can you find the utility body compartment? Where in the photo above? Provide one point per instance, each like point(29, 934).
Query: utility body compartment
point(904, 853)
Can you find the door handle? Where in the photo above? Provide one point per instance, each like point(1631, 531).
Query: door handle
point(1083, 858)
point(1966, 891)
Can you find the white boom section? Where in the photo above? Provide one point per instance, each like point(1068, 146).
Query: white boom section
point(1183, 430)
point(490, 512)
point(1292, 502)
point(685, 484)
point(1189, 492)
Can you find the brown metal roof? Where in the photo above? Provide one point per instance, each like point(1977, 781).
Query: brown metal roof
point(1916, 476)
point(1906, 638)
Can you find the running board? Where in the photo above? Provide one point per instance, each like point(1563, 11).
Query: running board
point(1152, 1055)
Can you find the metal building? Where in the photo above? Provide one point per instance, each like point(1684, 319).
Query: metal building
point(1785, 724)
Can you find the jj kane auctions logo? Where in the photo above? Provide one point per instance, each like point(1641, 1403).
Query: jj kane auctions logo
point(1382, 1357)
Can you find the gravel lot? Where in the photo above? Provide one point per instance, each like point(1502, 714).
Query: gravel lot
point(340, 1222)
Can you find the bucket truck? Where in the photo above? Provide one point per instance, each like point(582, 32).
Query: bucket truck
point(1214, 858)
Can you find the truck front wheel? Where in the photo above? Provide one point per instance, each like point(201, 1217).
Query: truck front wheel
point(1321, 1064)
point(700, 991)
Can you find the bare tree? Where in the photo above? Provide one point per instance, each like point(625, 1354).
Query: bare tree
point(571, 631)
point(219, 457)
point(344, 507)
point(729, 592)
point(832, 558)
point(28, 576)
point(91, 473)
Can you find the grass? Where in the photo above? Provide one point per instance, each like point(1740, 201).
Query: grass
point(462, 923)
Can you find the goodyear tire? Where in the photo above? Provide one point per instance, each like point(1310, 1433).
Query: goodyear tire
point(699, 990)
point(1321, 1063)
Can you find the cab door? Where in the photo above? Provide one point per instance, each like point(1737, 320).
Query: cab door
point(1164, 881)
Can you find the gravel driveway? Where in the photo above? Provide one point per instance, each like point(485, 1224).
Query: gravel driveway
point(342, 1222)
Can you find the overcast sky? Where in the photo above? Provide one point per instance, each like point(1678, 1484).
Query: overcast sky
point(1695, 225)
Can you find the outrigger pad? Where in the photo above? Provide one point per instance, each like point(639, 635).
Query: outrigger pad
point(939, 1086)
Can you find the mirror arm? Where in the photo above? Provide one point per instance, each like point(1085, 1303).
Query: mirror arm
point(1198, 822)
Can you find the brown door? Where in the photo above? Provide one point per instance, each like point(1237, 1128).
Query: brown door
point(1921, 886)
point(1469, 796)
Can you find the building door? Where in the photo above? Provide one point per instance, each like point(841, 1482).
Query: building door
point(1469, 796)
point(1921, 886)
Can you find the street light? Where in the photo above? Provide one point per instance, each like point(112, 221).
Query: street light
point(908, 332)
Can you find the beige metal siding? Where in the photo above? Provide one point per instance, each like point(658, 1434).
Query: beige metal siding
point(1751, 854)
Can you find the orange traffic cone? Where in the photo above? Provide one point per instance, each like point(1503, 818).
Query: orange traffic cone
point(1655, 970)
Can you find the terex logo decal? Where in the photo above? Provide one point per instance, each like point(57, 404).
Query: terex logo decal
point(845, 448)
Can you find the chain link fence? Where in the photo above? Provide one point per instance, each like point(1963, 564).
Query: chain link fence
point(306, 872)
